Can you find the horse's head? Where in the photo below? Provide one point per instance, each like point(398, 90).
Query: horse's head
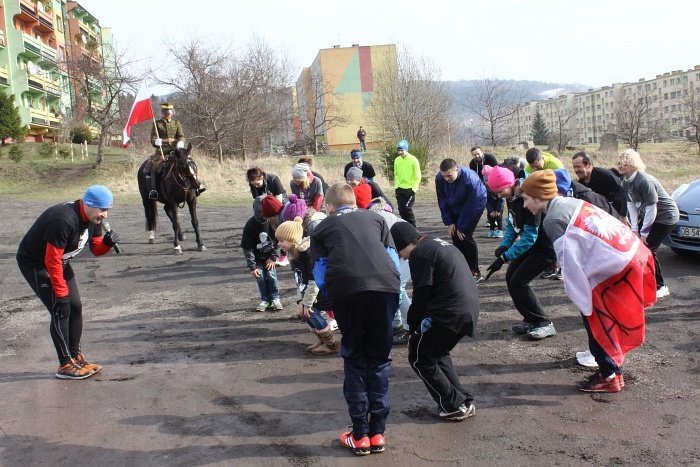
point(184, 162)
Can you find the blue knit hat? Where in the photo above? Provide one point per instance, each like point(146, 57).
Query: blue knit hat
point(563, 181)
point(98, 196)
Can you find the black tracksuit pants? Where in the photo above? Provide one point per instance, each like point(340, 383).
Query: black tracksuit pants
point(66, 331)
point(429, 356)
point(521, 271)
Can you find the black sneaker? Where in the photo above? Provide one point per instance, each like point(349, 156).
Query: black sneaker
point(522, 327)
point(462, 413)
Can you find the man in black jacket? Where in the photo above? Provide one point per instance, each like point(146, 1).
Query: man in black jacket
point(367, 169)
point(357, 268)
point(262, 184)
point(444, 309)
point(601, 181)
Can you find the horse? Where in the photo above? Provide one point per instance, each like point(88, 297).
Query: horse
point(177, 185)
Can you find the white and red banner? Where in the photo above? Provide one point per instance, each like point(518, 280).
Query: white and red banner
point(141, 111)
point(609, 274)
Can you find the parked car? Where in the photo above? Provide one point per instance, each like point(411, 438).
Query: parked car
point(685, 238)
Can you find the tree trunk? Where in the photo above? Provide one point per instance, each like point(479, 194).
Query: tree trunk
point(100, 150)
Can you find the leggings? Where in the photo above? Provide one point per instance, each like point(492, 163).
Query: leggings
point(67, 330)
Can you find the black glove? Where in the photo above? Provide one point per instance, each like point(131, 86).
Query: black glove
point(61, 307)
point(500, 250)
point(495, 266)
point(111, 238)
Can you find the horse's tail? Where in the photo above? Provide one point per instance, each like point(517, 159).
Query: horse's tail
point(150, 206)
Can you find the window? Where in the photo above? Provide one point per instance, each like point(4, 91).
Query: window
point(59, 23)
point(665, 96)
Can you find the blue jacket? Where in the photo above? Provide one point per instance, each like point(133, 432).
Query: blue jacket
point(462, 199)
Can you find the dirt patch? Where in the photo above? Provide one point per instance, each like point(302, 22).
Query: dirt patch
point(192, 376)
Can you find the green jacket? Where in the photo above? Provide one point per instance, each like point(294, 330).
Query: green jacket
point(550, 162)
point(167, 130)
point(407, 172)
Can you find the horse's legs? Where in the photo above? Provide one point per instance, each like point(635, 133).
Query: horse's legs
point(192, 204)
point(171, 211)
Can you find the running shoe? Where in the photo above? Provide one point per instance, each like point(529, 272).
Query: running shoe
point(72, 370)
point(264, 305)
point(597, 383)
point(80, 360)
point(277, 304)
point(377, 443)
point(360, 447)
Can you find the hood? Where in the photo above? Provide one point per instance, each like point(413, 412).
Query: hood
point(304, 244)
point(257, 208)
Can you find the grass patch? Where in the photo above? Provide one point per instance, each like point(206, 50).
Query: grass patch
point(48, 180)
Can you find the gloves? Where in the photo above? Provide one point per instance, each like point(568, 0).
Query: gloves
point(500, 250)
point(180, 145)
point(61, 307)
point(495, 266)
point(111, 238)
point(158, 142)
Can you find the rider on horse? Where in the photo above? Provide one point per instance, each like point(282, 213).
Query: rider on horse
point(166, 136)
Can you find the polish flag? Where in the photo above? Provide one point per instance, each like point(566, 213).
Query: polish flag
point(141, 111)
point(609, 274)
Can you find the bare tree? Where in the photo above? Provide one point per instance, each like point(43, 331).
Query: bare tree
point(564, 131)
point(494, 101)
point(320, 106)
point(228, 102)
point(98, 85)
point(635, 119)
point(410, 101)
point(688, 114)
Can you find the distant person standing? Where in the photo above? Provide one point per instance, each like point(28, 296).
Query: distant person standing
point(494, 204)
point(601, 181)
point(362, 136)
point(407, 177)
point(461, 198)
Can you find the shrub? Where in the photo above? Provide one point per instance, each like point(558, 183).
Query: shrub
point(16, 153)
point(417, 150)
point(64, 153)
point(46, 150)
point(80, 134)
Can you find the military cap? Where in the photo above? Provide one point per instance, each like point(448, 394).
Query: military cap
point(166, 107)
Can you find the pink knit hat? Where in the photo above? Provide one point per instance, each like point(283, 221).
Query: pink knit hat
point(500, 178)
point(295, 208)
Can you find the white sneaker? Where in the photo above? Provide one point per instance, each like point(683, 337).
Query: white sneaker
point(333, 324)
point(662, 292)
point(586, 359)
point(263, 306)
point(277, 304)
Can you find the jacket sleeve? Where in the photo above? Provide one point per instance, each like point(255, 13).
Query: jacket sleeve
point(442, 202)
point(417, 176)
point(97, 246)
point(421, 297)
point(277, 189)
point(526, 240)
point(310, 294)
point(509, 236)
point(319, 272)
point(474, 204)
point(54, 266)
point(249, 258)
point(179, 134)
point(394, 257)
point(370, 174)
point(154, 134)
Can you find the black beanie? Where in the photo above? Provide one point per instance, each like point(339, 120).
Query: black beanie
point(404, 234)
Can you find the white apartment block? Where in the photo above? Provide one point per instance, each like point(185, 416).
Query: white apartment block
point(589, 115)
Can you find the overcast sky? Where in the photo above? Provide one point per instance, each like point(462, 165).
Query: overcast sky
point(593, 42)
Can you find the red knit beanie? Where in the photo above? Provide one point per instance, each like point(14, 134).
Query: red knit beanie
point(271, 207)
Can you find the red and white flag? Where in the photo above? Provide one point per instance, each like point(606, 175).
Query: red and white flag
point(609, 275)
point(141, 111)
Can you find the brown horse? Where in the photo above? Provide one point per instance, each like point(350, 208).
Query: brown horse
point(177, 185)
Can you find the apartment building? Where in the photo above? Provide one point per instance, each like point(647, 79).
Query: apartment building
point(37, 38)
point(587, 116)
point(340, 79)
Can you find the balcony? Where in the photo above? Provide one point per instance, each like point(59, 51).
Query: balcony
point(2, 38)
point(32, 47)
point(28, 7)
point(4, 76)
point(49, 53)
